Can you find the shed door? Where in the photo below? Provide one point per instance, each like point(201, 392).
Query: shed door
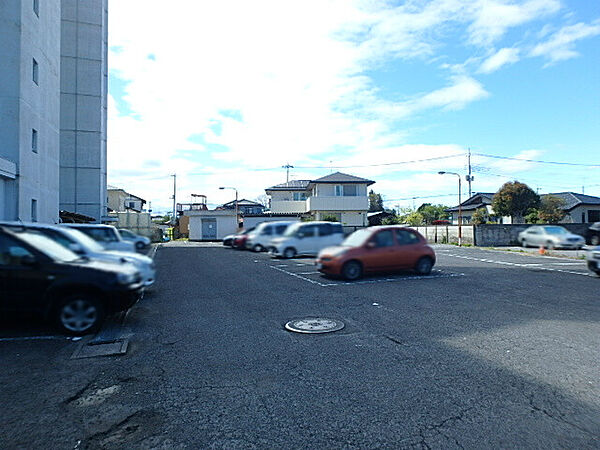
point(209, 228)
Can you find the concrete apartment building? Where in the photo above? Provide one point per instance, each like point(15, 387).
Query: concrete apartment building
point(53, 80)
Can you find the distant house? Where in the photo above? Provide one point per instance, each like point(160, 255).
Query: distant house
point(339, 195)
point(580, 208)
point(245, 207)
point(120, 200)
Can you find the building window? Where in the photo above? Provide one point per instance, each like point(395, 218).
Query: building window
point(34, 215)
point(36, 72)
point(594, 215)
point(34, 141)
point(339, 190)
point(36, 7)
point(350, 190)
point(299, 196)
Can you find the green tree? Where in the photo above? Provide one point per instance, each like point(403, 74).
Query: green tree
point(392, 220)
point(330, 218)
point(514, 199)
point(375, 202)
point(432, 212)
point(480, 216)
point(533, 216)
point(415, 219)
point(552, 209)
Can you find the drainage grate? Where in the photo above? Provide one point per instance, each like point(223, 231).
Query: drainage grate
point(104, 348)
point(314, 325)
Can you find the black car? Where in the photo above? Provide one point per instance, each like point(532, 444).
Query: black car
point(592, 235)
point(39, 275)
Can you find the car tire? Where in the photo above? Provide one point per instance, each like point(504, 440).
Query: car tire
point(289, 253)
point(595, 240)
point(524, 243)
point(140, 245)
point(352, 270)
point(257, 248)
point(550, 245)
point(79, 314)
point(424, 265)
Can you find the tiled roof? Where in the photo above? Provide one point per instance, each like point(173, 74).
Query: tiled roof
point(339, 177)
point(573, 199)
point(298, 185)
point(476, 201)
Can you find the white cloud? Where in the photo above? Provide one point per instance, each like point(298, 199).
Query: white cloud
point(501, 58)
point(560, 45)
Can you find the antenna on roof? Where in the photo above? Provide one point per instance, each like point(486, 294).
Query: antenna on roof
point(287, 168)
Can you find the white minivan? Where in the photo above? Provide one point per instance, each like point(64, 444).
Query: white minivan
point(307, 238)
point(260, 239)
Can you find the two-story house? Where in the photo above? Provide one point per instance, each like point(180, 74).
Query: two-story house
point(120, 200)
point(245, 207)
point(336, 195)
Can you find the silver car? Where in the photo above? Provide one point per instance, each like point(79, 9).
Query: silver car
point(593, 260)
point(550, 237)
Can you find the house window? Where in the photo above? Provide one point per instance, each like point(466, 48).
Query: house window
point(34, 140)
point(350, 190)
point(34, 215)
point(299, 196)
point(339, 190)
point(132, 205)
point(35, 72)
point(594, 215)
point(36, 7)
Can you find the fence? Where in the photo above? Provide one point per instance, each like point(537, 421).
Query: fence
point(447, 234)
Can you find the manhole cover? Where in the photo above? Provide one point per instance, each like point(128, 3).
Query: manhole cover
point(314, 325)
point(92, 349)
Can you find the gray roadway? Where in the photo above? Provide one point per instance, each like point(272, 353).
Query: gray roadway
point(492, 350)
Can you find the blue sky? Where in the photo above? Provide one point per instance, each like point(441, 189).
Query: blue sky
point(227, 93)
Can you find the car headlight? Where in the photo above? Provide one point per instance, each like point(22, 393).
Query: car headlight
point(125, 278)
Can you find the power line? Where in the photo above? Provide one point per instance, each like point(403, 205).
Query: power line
point(537, 161)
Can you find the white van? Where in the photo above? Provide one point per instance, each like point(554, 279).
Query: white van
point(307, 238)
point(260, 239)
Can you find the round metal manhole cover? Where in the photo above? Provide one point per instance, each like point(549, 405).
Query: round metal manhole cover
point(314, 325)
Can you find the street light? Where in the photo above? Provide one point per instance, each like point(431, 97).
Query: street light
point(237, 223)
point(459, 205)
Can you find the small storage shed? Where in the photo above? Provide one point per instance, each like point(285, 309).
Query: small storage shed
point(211, 225)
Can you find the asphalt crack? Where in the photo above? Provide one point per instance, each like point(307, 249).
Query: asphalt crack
point(559, 418)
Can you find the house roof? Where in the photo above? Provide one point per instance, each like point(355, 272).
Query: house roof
point(478, 200)
point(293, 185)
point(243, 202)
point(572, 199)
point(339, 177)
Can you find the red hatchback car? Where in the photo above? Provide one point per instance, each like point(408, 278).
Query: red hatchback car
point(377, 249)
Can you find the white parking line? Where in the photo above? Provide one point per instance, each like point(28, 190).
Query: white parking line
point(505, 263)
point(37, 338)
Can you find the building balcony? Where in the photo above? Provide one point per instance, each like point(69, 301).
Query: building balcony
point(337, 203)
point(288, 206)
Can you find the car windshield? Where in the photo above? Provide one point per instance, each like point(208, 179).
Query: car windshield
point(84, 240)
point(555, 230)
point(47, 246)
point(292, 230)
point(357, 238)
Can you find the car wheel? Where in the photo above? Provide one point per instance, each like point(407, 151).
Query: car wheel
point(140, 245)
point(257, 248)
point(424, 266)
point(595, 240)
point(79, 314)
point(289, 253)
point(524, 243)
point(352, 270)
point(550, 245)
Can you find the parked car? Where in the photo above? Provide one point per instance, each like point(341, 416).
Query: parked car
point(307, 238)
point(550, 237)
point(592, 235)
point(239, 240)
point(83, 245)
point(228, 240)
point(140, 242)
point(106, 235)
point(593, 259)
point(260, 239)
point(377, 249)
point(39, 275)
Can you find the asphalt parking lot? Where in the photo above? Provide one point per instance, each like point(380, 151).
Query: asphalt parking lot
point(493, 349)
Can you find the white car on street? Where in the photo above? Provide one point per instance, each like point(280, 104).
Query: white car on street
point(550, 237)
point(593, 259)
point(83, 245)
point(260, 239)
point(307, 238)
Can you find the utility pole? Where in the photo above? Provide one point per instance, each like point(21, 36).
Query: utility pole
point(173, 219)
point(287, 168)
point(469, 176)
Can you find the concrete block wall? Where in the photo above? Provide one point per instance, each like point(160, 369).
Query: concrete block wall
point(506, 235)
